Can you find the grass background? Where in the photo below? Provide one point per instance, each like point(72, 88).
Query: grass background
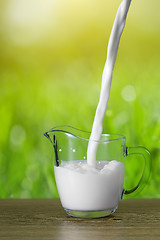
point(52, 55)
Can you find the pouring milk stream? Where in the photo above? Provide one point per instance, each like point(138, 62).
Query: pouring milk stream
point(113, 44)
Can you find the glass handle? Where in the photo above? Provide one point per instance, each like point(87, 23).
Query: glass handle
point(147, 167)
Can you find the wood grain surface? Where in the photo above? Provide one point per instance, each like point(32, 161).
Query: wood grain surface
point(46, 219)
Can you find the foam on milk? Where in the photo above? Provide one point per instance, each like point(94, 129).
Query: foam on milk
point(112, 50)
point(85, 188)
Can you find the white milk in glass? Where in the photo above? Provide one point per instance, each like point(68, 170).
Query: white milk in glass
point(84, 188)
point(91, 185)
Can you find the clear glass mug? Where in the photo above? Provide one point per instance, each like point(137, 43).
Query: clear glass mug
point(91, 193)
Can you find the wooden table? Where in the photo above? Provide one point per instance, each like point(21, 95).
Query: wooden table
point(46, 219)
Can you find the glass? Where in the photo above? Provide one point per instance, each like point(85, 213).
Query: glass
point(93, 193)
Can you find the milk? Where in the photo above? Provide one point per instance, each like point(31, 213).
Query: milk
point(84, 188)
point(91, 185)
point(112, 50)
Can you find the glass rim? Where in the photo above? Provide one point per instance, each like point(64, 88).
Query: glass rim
point(58, 129)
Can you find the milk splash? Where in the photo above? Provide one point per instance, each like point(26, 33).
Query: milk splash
point(112, 50)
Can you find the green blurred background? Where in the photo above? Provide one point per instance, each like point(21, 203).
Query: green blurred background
point(52, 55)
